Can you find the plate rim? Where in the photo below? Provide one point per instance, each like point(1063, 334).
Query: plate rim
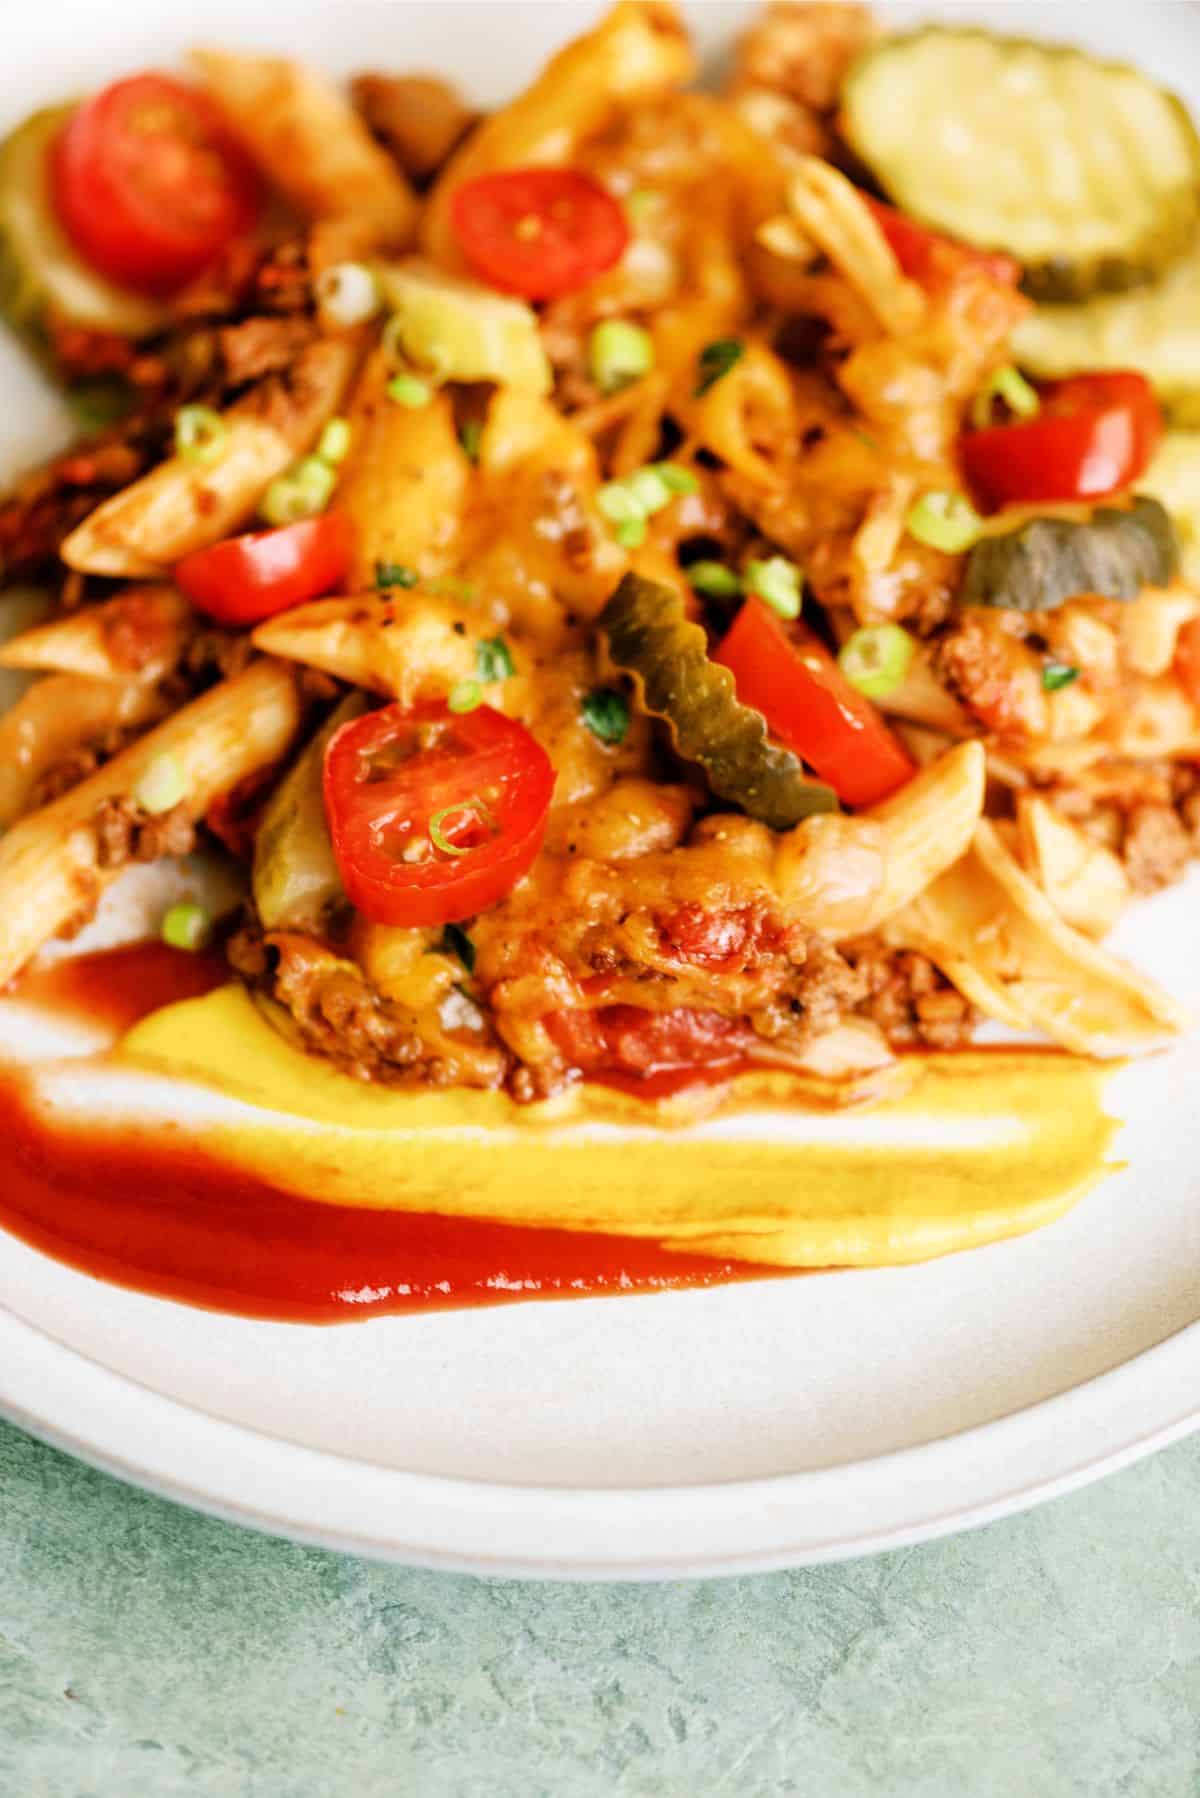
point(493, 1529)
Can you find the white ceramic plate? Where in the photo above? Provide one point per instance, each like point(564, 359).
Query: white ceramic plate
point(750, 1427)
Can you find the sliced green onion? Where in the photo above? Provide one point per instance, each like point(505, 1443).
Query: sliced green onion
point(1007, 384)
point(641, 203)
point(619, 352)
point(716, 359)
point(302, 492)
point(186, 926)
point(1058, 674)
point(677, 479)
point(455, 941)
point(778, 583)
point(348, 293)
point(437, 835)
point(876, 658)
point(334, 441)
point(409, 390)
point(606, 714)
point(470, 435)
point(617, 502)
point(394, 574)
point(714, 580)
point(631, 533)
point(464, 696)
point(162, 785)
point(944, 520)
point(493, 659)
point(650, 493)
point(200, 433)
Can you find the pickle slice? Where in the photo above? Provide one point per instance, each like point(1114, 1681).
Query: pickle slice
point(651, 637)
point(1084, 170)
point(1046, 561)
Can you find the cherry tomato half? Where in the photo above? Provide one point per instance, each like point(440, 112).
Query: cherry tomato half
point(149, 184)
point(927, 258)
point(538, 232)
point(434, 815)
point(810, 705)
point(1094, 434)
point(243, 580)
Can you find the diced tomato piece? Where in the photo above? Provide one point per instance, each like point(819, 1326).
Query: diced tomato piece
point(243, 580)
point(1094, 435)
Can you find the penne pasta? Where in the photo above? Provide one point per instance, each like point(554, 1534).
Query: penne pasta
point(310, 141)
point(410, 645)
point(182, 506)
point(58, 717)
point(638, 51)
point(1084, 882)
point(139, 635)
point(1002, 943)
point(50, 874)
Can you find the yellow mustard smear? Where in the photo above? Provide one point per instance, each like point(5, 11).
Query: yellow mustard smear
point(978, 1145)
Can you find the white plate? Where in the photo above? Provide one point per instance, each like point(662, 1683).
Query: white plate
point(755, 1426)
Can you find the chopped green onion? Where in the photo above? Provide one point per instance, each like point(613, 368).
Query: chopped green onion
point(631, 533)
point(348, 293)
point(714, 580)
point(394, 574)
point(777, 582)
point(161, 786)
point(449, 586)
point(618, 502)
point(618, 353)
point(200, 433)
point(677, 479)
point(437, 835)
point(493, 659)
point(876, 658)
point(455, 941)
point(1058, 674)
point(944, 520)
point(186, 926)
point(1007, 384)
point(649, 492)
point(302, 492)
point(409, 390)
point(470, 435)
point(716, 359)
point(464, 696)
point(641, 203)
point(606, 714)
point(334, 441)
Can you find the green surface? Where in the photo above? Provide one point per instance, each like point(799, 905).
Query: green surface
point(147, 1652)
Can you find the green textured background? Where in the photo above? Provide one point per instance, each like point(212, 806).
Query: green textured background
point(146, 1652)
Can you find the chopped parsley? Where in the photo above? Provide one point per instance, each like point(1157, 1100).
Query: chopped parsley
point(394, 574)
point(493, 659)
point(606, 714)
point(455, 941)
point(470, 435)
point(1058, 674)
point(716, 359)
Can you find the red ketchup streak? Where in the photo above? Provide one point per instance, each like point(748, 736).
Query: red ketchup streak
point(144, 1207)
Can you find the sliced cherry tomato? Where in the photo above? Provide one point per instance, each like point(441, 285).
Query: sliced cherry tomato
point(149, 184)
point(434, 815)
point(243, 580)
point(810, 705)
point(538, 232)
point(630, 1040)
point(928, 258)
point(1093, 435)
point(1187, 660)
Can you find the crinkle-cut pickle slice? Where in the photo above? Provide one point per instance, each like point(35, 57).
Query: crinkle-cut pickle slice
point(1045, 561)
point(1084, 170)
point(651, 637)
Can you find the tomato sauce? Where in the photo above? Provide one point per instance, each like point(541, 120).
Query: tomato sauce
point(144, 1207)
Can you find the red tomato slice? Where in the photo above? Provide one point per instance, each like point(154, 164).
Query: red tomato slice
point(1187, 660)
point(627, 1039)
point(243, 580)
point(434, 816)
point(149, 184)
point(926, 257)
point(1094, 435)
point(811, 706)
point(538, 232)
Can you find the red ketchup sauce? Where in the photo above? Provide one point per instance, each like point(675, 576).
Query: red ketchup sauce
point(144, 1207)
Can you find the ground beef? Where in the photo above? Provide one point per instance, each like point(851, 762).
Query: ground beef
point(62, 775)
point(910, 1000)
point(262, 346)
point(126, 833)
point(1155, 848)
